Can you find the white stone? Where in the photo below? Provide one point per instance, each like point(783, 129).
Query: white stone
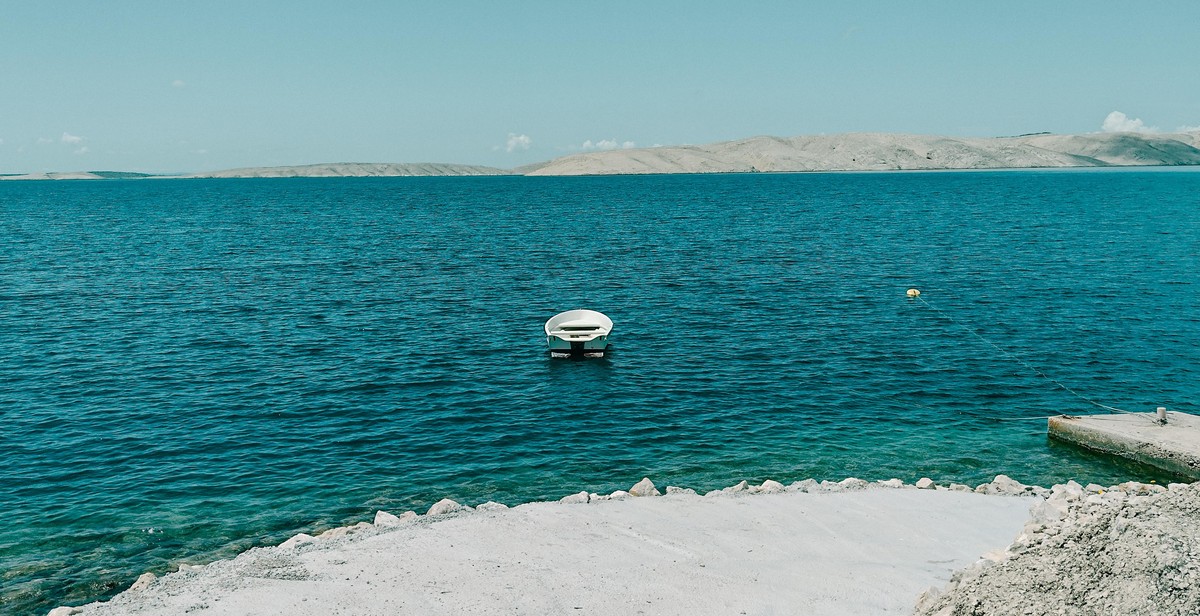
point(334, 533)
point(299, 539)
point(672, 490)
point(892, 483)
point(853, 483)
point(383, 518)
point(803, 486)
point(960, 487)
point(925, 483)
point(143, 582)
point(738, 487)
point(770, 487)
point(831, 486)
point(488, 506)
point(619, 495)
point(573, 499)
point(63, 611)
point(645, 487)
point(444, 506)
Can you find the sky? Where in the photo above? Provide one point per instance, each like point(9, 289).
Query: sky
point(164, 87)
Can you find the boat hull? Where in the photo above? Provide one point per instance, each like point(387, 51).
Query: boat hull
point(596, 346)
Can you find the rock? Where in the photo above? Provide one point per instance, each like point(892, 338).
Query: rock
point(672, 490)
point(619, 495)
point(960, 487)
point(770, 487)
point(1094, 488)
point(803, 486)
point(645, 487)
point(334, 533)
point(853, 483)
point(739, 487)
point(1126, 551)
point(574, 499)
point(343, 531)
point(63, 611)
point(187, 567)
point(892, 483)
point(925, 483)
point(488, 506)
point(143, 582)
point(297, 540)
point(830, 486)
point(383, 518)
point(1002, 484)
point(443, 507)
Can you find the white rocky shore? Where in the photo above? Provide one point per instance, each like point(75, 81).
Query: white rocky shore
point(848, 547)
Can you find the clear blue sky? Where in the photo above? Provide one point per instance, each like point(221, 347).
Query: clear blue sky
point(171, 86)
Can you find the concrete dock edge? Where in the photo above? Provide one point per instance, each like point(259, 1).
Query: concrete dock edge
point(1173, 447)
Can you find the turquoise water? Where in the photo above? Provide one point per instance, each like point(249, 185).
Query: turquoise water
point(192, 368)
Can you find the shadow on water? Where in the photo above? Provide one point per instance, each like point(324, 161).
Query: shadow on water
point(1116, 466)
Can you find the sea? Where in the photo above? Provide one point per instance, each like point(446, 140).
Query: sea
point(192, 368)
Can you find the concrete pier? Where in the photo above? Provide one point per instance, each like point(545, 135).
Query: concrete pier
point(1173, 446)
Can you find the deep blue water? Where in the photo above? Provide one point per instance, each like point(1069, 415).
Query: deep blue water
point(189, 368)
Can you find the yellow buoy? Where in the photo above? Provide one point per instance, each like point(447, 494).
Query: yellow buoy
point(913, 292)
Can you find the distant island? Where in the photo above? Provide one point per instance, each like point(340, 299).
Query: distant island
point(843, 152)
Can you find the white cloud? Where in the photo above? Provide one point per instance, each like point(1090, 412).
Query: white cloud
point(607, 144)
point(69, 138)
point(517, 142)
point(1188, 129)
point(1117, 122)
point(82, 150)
point(178, 83)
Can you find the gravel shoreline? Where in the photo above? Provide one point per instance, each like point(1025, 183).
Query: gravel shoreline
point(847, 547)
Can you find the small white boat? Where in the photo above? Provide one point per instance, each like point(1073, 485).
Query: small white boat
point(578, 332)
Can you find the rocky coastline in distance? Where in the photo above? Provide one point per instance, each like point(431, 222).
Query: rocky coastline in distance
point(841, 152)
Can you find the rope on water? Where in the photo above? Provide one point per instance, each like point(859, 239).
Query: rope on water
point(1019, 360)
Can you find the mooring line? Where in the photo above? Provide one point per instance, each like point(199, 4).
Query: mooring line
point(1021, 361)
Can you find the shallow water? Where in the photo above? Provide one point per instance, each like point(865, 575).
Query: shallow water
point(189, 368)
